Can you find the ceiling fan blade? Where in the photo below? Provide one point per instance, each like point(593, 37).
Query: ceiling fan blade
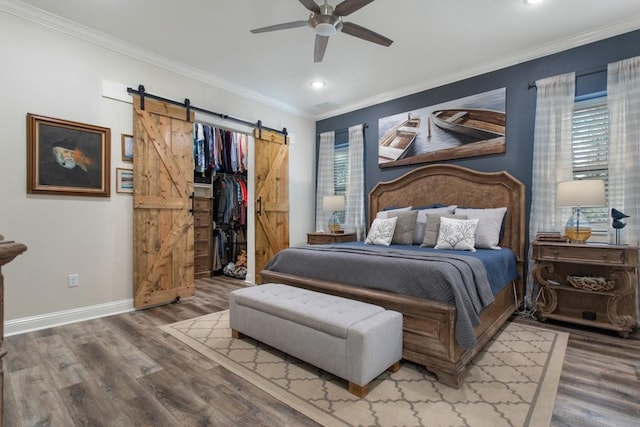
point(365, 34)
point(311, 5)
point(320, 48)
point(347, 7)
point(293, 24)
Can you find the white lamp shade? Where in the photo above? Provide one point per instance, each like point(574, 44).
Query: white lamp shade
point(333, 203)
point(586, 192)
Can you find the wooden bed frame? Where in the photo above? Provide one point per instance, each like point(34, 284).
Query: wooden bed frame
point(428, 326)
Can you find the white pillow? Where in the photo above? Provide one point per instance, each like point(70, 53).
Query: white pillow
point(421, 222)
point(381, 232)
point(488, 232)
point(432, 229)
point(385, 214)
point(458, 234)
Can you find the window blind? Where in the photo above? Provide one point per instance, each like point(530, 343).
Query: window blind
point(590, 147)
point(340, 166)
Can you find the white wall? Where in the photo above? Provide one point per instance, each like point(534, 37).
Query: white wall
point(49, 73)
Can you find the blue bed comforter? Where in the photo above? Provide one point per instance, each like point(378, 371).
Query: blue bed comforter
point(468, 280)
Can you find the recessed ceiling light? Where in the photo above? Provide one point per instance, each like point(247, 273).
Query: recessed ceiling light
point(533, 1)
point(317, 84)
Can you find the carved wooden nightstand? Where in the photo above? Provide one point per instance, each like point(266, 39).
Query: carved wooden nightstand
point(326, 238)
point(613, 309)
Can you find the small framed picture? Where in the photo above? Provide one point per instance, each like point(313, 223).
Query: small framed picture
point(127, 148)
point(67, 158)
point(124, 180)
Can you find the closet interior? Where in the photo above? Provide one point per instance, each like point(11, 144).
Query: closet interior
point(221, 199)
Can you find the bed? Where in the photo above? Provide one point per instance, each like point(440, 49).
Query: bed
point(429, 326)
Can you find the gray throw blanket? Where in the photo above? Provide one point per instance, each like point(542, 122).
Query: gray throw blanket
point(455, 279)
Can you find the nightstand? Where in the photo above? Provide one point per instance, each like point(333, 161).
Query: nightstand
point(613, 309)
point(326, 238)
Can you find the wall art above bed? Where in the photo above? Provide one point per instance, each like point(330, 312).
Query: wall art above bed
point(466, 127)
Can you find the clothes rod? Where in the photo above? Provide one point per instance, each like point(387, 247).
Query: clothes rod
point(582, 73)
point(187, 104)
point(364, 126)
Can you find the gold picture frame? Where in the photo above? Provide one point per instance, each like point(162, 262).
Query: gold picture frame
point(67, 158)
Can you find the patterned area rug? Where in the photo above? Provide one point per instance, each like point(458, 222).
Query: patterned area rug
point(512, 382)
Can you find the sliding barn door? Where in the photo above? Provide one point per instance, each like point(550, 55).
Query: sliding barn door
point(272, 196)
point(162, 191)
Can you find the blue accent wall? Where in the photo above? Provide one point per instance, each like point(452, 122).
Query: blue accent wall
point(589, 62)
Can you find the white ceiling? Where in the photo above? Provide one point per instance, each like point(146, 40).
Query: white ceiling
point(435, 42)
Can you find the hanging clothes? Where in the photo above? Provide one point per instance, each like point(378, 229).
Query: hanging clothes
point(219, 150)
point(230, 216)
point(221, 155)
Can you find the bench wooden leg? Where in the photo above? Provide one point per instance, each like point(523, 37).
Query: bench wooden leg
point(236, 334)
point(394, 368)
point(359, 390)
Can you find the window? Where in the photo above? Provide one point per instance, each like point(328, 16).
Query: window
point(590, 147)
point(340, 166)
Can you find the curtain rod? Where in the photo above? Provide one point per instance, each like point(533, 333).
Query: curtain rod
point(582, 73)
point(364, 126)
point(187, 104)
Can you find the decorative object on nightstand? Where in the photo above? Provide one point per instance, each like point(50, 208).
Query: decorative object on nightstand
point(319, 238)
point(617, 223)
point(594, 284)
point(578, 194)
point(333, 204)
point(550, 236)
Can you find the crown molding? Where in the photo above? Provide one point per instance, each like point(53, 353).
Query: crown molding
point(519, 57)
point(103, 40)
point(89, 35)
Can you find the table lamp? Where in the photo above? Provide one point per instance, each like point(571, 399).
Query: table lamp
point(578, 194)
point(333, 204)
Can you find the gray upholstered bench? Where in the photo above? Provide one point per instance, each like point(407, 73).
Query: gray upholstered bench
point(353, 340)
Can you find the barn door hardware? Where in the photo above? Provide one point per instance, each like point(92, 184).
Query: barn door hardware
point(187, 105)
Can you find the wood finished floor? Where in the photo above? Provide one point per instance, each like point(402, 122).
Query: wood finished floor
point(124, 371)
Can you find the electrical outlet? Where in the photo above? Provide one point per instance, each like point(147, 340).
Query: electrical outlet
point(73, 280)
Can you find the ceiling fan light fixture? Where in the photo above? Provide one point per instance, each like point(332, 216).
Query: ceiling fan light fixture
point(325, 29)
point(325, 21)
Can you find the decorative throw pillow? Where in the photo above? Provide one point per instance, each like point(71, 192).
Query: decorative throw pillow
point(488, 233)
point(381, 232)
point(421, 221)
point(405, 227)
point(386, 213)
point(432, 228)
point(458, 234)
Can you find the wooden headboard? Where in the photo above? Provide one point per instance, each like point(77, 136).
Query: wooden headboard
point(457, 185)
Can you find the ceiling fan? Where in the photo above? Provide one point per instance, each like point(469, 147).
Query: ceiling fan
point(326, 21)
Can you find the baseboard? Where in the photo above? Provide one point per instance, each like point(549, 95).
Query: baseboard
point(48, 320)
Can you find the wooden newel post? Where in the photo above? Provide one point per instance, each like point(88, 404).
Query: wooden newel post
point(8, 251)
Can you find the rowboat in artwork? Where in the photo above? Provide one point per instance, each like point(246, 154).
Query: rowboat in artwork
point(395, 143)
point(477, 123)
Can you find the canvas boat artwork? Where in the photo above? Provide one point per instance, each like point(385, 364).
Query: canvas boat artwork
point(477, 123)
point(470, 126)
point(395, 143)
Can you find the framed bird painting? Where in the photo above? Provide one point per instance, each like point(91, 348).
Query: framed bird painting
point(67, 158)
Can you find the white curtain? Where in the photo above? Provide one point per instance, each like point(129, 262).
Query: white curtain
point(623, 97)
point(354, 213)
point(552, 160)
point(324, 186)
